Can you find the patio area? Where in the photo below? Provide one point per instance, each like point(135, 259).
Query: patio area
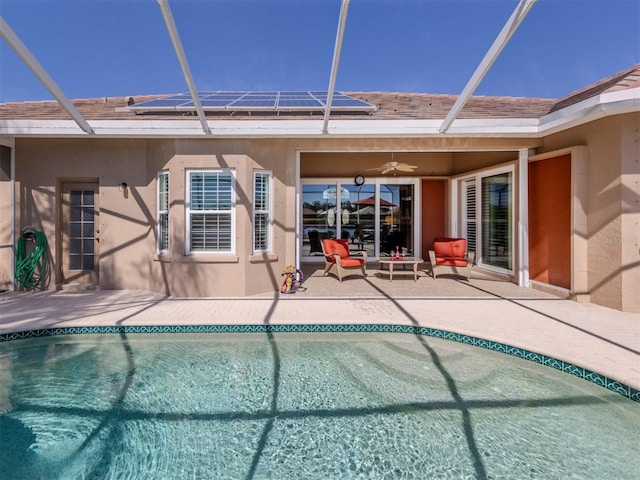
point(595, 338)
point(378, 284)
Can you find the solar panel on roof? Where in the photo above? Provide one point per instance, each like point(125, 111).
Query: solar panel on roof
point(253, 103)
point(212, 102)
point(299, 103)
point(292, 100)
point(347, 102)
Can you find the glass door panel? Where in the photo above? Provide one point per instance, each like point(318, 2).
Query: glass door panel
point(496, 220)
point(319, 210)
point(358, 218)
point(396, 219)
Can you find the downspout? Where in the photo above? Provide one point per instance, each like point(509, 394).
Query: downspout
point(336, 60)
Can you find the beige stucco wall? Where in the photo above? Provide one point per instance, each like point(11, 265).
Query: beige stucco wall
point(128, 258)
point(127, 220)
point(613, 209)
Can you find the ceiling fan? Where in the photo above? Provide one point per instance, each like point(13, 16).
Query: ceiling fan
point(394, 167)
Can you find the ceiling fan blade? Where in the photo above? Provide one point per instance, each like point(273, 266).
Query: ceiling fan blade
point(406, 168)
point(387, 170)
point(377, 169)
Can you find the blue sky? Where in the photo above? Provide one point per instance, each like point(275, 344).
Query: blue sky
point(94, 48)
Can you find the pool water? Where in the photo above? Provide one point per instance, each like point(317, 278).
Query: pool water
point(301, 406)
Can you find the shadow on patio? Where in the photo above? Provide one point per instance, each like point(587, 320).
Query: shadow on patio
point(403, 286)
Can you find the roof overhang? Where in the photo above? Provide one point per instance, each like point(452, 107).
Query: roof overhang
point(606, 104)
point(603, 105)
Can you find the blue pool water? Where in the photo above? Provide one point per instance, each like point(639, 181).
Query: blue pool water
point(301, 406)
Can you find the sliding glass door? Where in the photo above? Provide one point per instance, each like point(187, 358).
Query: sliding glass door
point(375, 217)
point(487, 221)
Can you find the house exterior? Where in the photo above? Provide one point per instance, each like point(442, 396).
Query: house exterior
point(547, 191)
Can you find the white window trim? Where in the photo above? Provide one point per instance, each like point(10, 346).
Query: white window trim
point(159, 212)
point(188, 211)
point(268, 211)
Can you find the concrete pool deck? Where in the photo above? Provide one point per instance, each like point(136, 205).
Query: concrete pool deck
point(600, 339)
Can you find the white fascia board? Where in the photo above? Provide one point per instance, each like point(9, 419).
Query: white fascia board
point(272, 128)
point(611, 103)
point(161, 128)
point(431, 128)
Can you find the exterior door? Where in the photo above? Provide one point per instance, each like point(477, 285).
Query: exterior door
point(79, 231)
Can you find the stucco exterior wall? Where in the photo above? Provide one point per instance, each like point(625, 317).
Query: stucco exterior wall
point(613, 208)
point(128, 257)
point(126, 225)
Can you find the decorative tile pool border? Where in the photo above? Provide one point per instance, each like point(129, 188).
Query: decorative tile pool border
point(566, 367)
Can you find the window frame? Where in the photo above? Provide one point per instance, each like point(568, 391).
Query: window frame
point(189, 211)
point(160, 211)
point(267, 211)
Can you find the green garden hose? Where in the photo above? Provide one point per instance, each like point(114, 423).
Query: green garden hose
point(31, 267)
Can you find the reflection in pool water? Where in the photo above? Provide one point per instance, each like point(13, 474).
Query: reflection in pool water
point(294, 406)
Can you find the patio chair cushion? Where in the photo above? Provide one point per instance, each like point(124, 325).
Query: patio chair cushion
point(450, 251)
point(451, 261)
point(340, 247)
point(337, 246)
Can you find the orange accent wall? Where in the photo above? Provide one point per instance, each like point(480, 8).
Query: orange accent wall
point(550, 221)
point(434, 213)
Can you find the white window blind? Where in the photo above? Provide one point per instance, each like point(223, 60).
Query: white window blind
point(261, 211)
point(471, 224)
point(210, 211)
point(163, 212)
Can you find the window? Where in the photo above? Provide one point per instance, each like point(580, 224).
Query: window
point(162, 226)
point(210, 211)
point(261, 211)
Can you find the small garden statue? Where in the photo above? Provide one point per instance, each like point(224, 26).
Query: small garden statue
point(292, 279)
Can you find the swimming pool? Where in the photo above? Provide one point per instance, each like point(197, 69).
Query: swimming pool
point(301, 405)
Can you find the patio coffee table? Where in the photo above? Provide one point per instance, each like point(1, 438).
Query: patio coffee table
point(404, 261)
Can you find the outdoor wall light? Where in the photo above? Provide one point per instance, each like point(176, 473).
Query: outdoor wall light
point(123, 186)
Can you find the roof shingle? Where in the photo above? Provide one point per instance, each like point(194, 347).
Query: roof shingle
point(389, 105)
